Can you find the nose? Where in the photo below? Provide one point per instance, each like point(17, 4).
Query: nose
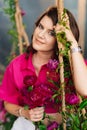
point(42, 33)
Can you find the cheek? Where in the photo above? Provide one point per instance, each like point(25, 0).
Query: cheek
point(34, 33)
point(33, 38)
point(52, 42)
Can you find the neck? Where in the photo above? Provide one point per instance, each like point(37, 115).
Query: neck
point(42, 58)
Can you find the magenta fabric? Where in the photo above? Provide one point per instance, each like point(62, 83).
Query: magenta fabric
point(13, 80)
point(86, 62)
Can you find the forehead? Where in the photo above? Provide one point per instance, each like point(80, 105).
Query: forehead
point(47, 22)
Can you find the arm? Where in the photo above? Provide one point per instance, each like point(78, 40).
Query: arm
point(78, 66)
point(77, 61)
point(79, 71)
point(35, 114)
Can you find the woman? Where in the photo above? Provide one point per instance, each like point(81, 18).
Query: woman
point(26, 78)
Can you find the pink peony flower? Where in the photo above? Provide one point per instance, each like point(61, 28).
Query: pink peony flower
point(52, 64)
point(53, 76)
point(29, 80)
point(38, 96)
point(52, 126)
point(2, 115)
point(72, 99)
point(23, 12)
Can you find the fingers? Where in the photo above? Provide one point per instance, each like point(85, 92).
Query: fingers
point(59, 28)
point(63, 25)
point(66, 20)
point(36, 114)
point(69, 35)
point(55, 117)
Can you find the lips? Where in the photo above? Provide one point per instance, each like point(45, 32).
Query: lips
point(39, 41)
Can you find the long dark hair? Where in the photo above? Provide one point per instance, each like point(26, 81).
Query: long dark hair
point(51, 12)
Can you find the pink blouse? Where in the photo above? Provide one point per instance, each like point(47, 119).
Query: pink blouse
point(12, 83)
point(13, 80)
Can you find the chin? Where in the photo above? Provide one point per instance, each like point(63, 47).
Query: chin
point(35, 47)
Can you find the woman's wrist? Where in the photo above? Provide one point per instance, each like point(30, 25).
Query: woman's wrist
point(76, 49)
point(20, 111)
point(74, 44)
point(23, 112)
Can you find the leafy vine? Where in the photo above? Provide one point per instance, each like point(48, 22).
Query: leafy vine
point(10, 11)
point(75, 115)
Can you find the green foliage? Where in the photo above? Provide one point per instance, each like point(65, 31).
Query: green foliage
point(83, 104)
point(12, 32)
point(74, 116)
point(76, 119)
point(9, 122)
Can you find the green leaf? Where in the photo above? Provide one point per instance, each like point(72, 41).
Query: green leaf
point(42, 127)
point(30, 88)
point(84, 125)
point(75, 128)
point(26, 107)
point(75, 120)
point(55, 95)
point(83, 104)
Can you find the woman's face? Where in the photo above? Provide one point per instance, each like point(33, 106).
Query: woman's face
point(43, 38)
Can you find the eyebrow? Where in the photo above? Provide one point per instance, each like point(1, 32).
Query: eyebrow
point(52, 30)
point(43, 26)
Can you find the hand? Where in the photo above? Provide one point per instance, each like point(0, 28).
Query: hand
point(53, 117)
point(36, 114)
point(69, 35)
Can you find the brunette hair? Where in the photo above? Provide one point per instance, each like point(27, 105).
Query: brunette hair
point(51, 12)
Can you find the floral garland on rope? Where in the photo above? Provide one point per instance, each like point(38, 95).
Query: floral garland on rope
point(60, 47)
point(22, 35)
point(64, 50)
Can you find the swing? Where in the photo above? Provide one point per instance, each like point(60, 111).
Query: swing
point(23, 39)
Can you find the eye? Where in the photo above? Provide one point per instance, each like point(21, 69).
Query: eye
point(52, 33)
point(40, 26)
